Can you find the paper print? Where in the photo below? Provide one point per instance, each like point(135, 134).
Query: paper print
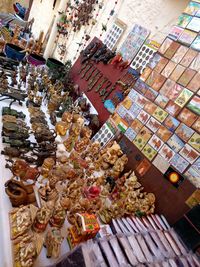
point(127, 102)
point(150, 107)
point(164, 133)
point(151, 94)
point(154, 61)
point(196, 43)
point(141, 101)
point(142, 138)
point(168, 69)
point(184, 132)
point(194, 24)
point(196, 125)
point(140, 86)
point(175, 32)
point(161, 164)
point(133, 95)
point(171, 123)
point(176, 74)
point(187, 117)
point(187, 37)
point(160, 114)
point(143, 116)
point(136, 125)
point(189, 57)
point(128, 118)
point(167, 87)
point(158, 82)
point(192, 8)
point(189, 154)
point(175, 143)
point(165, 45)
point(175, 92)
point(134, 110)
point(149, 152)
point(182, 50)
point(194, 84)
point(174, 177)
point(172, 108)
point(179, 163)
point(143, 167)
point(196, 165)
point(183, 20)
point(151, 78)
point(183, 98)
point(195, 141)
point(194, 105)
point(130, 134)
point(145, 74)
point(186, 77)
point(156, 142)
point(193, 176)
point(194, 199)
point(172, 50)
point(121, 110)
point(162, 100)
point(166, 152)
point(161, 64)
point(153, 124)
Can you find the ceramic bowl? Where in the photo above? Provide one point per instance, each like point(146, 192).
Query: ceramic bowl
point(14, 52)
point(36, 60)
point(53, 63)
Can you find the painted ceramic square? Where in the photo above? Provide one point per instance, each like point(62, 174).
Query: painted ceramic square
point(172, 50)
point(194, 24)
point(134, 110)
point(195, 141)
point(175, 143)
point(183, 20)
point(189, 154)
point(193, 176)
point(150, 107)
point(127, 102)
point(172, 108)
point(156, 142)
point(160, 114)
point(179, 163)
point(140, 86)
point(180, 54)
point(145, 74)
point(171, 123)
point(161, 100)
point(175, 91)
point(194, 105)
point(194, 84)
point(168, 69)
point(151, 94)
point(189, 57)
point(161, 164)
point(196, 125)
point(187, 37)
point(158, 82)
point(184, 132)
point(186, 77)
point(165, 45)
point(161, 64)
point(196, 165)
point(149, 152)
point(192, 8)
point(164, 133)
point(153, 124)
point(136, 125)
point(143, 116)
point(166, 152)
point(173, 177)
point(141, 101)
point(167, 87)
point(187, 117)
point(176, 74)
point(130, 134)
point(184, 97)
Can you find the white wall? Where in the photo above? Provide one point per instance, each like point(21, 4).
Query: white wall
point(156, 15)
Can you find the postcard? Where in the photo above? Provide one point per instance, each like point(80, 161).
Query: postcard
point(178, 71)
point(153, 124)
point(175, 92)
point(164, 133)
point(149, 152)
point(187, 37)
point(145, 74)
point(196, 125)
point(194, 199)
point(143, 116)
point(196, 165)
point(172, 50)
point(133, 95)
point(127, 102)
point(194, 84)
point(188, 58)
point(156, 142)
point(192, 8)
point(196, 44)
point(183, 20)
point(128, 118)
point(161, 64)
point(154, 61)
point(140, 86)
point(175, 32)
point(142, 138)
point(189, 154)
point(158, 82)
point(168, 69)
point(161, 164)
point(193, 176)
point(151, 78)
point(195, 141)
point(161, 100)
point(150, 107)
point(179, 163)
point(141, 100)
point(172, 108)
point(175, 143)
point(173, 177)
point(186, 77)
point(134, 110)
point(195, 65)
point(143, 167)
point(171, 123)
point(194, 105)
point(194, 24)
point(187, 117)
point(184, 132)
point(166, 152)
point(160, 114)
point(136, 125)
point(165, 45)
point(166, 88)
point(183, 98)
point(182, 50)
point(130, 134)
point(151, 94)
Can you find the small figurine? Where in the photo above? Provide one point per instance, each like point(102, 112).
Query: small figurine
point(41, 220)
point(53, 242)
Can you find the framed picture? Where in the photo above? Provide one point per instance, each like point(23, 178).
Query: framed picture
point(187, 117)
point(184, 132)
point(194, 105)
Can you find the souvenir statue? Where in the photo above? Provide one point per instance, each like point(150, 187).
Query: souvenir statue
point(11, 152)
point(53, 118)
point(67, 117)
point(69, 143)
point(81, 144)
point(86, 132)
point(61, 128)
point(53, 242)
point(13, 112)
point(41, 220)
point(47, 166)
point(17, 143)
point(119, 166)
point(47, 193)
point(58, 216)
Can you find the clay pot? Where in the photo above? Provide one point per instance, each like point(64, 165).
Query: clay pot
point(14, 52)
point(36, 60)
point(53, 63)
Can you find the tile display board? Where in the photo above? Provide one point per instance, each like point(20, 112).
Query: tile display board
point(161, 114)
